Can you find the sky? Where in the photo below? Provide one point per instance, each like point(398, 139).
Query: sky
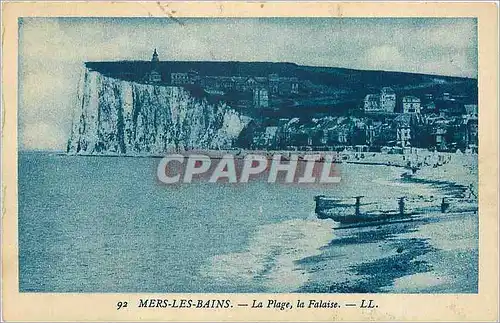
point(52, 52)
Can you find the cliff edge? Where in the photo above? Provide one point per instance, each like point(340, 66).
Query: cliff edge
point(118, 117)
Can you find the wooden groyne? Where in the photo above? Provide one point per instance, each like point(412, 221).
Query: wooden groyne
point(360, 209)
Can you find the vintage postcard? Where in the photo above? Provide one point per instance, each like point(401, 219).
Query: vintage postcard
point(260, 161)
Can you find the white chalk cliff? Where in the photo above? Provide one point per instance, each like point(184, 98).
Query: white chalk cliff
point(117, 117)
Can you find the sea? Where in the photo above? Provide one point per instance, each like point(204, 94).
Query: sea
point(97, 224)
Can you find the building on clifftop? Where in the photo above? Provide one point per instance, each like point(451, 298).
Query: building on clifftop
point(383, 102)
point(261, 97)
point(387, 99)
point(154, 76)
point(411, 104)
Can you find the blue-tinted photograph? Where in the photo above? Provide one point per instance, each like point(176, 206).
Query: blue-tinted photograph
point(248, 155)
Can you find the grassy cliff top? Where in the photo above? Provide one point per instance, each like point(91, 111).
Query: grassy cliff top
point(356, 82)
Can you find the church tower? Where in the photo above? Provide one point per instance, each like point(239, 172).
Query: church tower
point(155, 57)
point(154, 76)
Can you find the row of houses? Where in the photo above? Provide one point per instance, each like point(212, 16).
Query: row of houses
point(404, 130)
point(385, 102)
point(273, 83)
point(447, 104)
point(261, 88)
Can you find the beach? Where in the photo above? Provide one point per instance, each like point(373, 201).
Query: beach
point(435, 253)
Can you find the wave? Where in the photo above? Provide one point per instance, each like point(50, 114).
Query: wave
point(269, 261)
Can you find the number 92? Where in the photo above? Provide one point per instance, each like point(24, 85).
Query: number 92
point(120, 305)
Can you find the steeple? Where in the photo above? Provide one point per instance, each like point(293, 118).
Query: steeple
point(154, 75)
point(155, 57)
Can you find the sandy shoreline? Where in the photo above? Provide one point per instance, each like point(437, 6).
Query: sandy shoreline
point(437, 253)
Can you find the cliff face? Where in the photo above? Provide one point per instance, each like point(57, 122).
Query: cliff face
point(119, 117)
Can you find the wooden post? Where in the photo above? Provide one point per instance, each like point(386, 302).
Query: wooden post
point(444, 205)
point(401, 204)
point(357, 205)
point(318, 207)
